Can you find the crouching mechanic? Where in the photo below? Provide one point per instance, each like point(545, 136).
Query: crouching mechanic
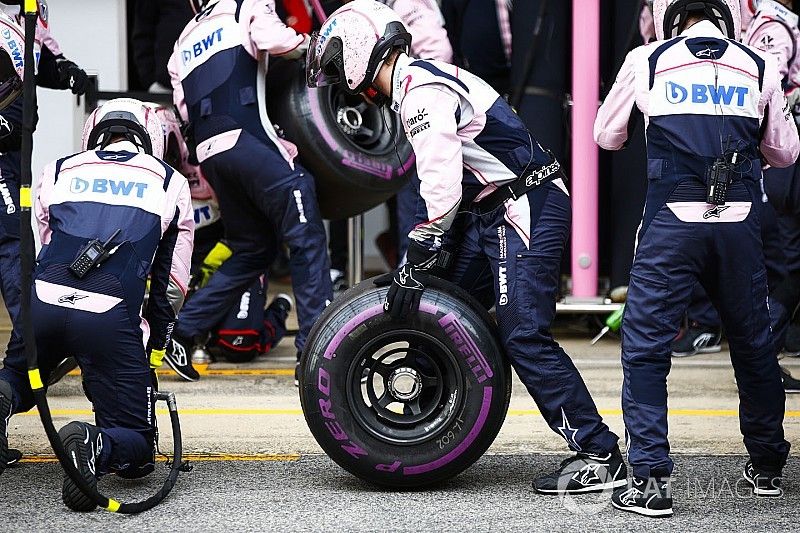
point(473, 152)
point(266, 198)
point(714, 108)
point(107, 217)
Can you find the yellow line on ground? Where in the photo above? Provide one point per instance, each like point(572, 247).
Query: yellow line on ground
point(203, 371)
point(298, 412)
point(196, 457)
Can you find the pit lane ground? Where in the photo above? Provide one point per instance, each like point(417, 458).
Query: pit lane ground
point(257, 466)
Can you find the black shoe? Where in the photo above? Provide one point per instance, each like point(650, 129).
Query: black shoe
point(13, 457)
point(584, 473)
point(697, 339)
point(648, 497)
point(83, 443)
point(791, 346)
point(177, 357)
point(5, 414)
point(282, 302)
point(790, 384)
point(764, 483)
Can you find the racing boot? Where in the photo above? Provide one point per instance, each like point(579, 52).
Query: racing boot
point(13, 457)
point(697, 339)
point(584, 473)
point(5, 415)
point(83, 443)
point(647, 497)
point(177, 357)
point(791, 385)
point(764, 483)
point(792, 343)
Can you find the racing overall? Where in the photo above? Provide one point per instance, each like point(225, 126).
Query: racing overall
point(217, 71)
point(701, 95)
point(467, 142)
point(96, 319)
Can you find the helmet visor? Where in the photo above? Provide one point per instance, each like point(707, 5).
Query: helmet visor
point(324, 64)
point(10, 82)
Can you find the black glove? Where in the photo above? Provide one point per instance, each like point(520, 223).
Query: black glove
point(408, 282)
point(72, 76)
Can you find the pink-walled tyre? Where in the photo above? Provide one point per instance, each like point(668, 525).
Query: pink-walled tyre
point(405, 404)
point(357, 152)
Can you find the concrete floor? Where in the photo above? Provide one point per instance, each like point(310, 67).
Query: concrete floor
point(258, 466)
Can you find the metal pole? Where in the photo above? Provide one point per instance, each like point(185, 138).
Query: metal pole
point(585, 94)
point(355, 249)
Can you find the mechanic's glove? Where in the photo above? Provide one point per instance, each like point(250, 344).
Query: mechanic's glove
point(72, 76)
point(220, 253)
point(408, 282)
point(157, 358)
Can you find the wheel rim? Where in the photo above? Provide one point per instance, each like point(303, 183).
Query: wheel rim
point(404, 387)
point(368, 128)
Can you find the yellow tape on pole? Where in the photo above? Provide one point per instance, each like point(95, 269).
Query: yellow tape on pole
point(31, 7)
point(25, 197)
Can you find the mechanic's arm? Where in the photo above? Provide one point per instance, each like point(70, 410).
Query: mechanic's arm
point(41, 207)
point(271, 35)
point(169, 275)
point(11, 127)
point(425, 23)
point(614, 116)
point(429, 118)
point(774, 37)
point(178, 97)
point(780, 144)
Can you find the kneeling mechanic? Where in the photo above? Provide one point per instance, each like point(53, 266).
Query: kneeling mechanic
point(107, 217)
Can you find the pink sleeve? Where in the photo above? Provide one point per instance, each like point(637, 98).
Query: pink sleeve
point(182, 254)
point(268, 32)
point(780, 143)
point(41, 206)
point(44, 36)
point(177, 88)
point(774, 38)
point(611, 124)
point(646, 25)
point(428, 115)
point(426, 25)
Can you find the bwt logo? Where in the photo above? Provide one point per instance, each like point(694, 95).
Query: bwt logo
point(202, 46)
point(104, 186)
point(702, 94)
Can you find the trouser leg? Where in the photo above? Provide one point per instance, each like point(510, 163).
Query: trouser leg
point(665, 270)
point(740, 287)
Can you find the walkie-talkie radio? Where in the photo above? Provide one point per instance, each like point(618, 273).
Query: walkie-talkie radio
point(720, 176)
point(92, 255)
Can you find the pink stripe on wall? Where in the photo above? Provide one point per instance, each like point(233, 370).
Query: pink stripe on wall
point(585, 94)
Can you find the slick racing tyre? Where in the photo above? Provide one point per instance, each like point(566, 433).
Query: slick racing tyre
point(404, 404)
point(357, 152)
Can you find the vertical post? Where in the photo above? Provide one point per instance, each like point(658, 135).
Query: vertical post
point(585, 95)
point(355, 250)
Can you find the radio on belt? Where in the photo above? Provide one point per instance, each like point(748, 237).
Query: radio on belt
point(720, 176)
point(92, 255)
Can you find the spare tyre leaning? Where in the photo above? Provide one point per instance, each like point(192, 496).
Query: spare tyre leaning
point(404, 404)
point(357, 152)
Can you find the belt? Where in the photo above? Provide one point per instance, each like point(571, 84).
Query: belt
point(520, 186)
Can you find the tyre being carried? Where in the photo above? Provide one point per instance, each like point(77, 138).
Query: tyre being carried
point(404, 404)
point(357, 151)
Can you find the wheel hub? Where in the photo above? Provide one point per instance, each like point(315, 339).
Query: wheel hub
point(405, 384)
point(349, 119)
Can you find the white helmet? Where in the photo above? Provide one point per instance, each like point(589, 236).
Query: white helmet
point(12, 60)
point(670, 15)
point(125, 117)
point(352, 45)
